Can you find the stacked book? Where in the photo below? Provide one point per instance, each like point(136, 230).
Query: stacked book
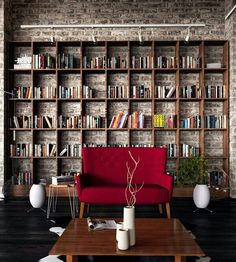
point(62, 180)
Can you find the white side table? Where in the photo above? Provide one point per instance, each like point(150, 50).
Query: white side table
point(53, 194)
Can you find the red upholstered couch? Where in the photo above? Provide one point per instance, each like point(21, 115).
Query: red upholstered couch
point(104, 176)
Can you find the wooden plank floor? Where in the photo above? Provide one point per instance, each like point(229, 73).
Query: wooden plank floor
point(25, 236)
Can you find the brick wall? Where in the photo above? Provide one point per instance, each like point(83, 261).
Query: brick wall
point(210, 12)
point(117, 11)
point(230, 26)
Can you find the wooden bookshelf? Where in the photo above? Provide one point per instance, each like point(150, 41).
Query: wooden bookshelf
point(72, 82)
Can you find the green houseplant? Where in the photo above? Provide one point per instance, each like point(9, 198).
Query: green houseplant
point(192, 171)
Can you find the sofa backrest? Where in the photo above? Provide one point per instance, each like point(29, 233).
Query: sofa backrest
point(107, 165)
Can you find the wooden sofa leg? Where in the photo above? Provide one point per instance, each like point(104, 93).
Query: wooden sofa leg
point(168, 210)
point(81, 211)
point(160, 208)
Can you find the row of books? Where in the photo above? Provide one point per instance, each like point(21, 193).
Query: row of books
point(44, 92)
point(140, 91)
point(135, 120)
point(73, 150)
point(22, 178)
point(90, 121)
point(87, 92)
point(193, 121)
point(164, 121)
point(189, 62)
point(69, 92)
point(164, 91)
point(22, 121)
point(43, 61)
point(44, 150)
point(215, 121)
point(65, 61)
point(188, 150)
point(171, 149)
point(21, 150)
point(217, 178)
point(72, 121)
point(117, 62)
point(117, 91)
point(142, 61)
point(22, 92)
point(188, 91)
point(217, 91)
point(165, 62)
point(44, 121)
point(94, 62)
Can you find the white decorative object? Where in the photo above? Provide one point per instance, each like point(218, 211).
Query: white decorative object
point(123, 241)
point(119, 225)
point(201, 196)
point(37, 195)
point(129, 223)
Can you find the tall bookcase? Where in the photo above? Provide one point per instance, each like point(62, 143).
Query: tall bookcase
point(69, 94)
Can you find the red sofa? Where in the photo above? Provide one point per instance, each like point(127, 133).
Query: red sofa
point(104, 176)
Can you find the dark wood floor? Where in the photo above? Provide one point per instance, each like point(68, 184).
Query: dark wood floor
point(24, 237)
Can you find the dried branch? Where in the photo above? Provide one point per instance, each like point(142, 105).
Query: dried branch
point(131, 190)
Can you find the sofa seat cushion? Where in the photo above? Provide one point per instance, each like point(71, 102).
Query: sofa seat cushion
point(111, 194)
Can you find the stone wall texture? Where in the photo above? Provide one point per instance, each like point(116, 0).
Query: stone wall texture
point(211, 12)
point(230, 27)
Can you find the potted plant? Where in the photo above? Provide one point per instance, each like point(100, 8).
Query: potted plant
point(193, 172)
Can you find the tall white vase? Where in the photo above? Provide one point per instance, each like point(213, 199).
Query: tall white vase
point(37, 195)
point(201, 196)
point(129, 223)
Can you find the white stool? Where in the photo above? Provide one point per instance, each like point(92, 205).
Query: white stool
point(53, 194)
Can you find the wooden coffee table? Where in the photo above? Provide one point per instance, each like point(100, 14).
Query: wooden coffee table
point(154, 237)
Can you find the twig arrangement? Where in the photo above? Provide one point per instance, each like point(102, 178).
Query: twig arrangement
point(131, 190)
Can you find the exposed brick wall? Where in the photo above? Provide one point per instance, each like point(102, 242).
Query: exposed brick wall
point(230, 26)
point(117, 11)
point(210, 12)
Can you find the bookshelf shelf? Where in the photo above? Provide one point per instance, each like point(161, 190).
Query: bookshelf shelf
point(155, 89)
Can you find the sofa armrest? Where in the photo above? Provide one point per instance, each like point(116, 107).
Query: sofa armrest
point(166, 181)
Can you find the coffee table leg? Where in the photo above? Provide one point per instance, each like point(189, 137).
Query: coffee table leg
point(180, 259)
point(70, 258)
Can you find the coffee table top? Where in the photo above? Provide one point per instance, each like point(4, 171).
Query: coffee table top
point(154, 237)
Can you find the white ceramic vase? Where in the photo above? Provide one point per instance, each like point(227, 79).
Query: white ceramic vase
point(123, 240)
point(201, 196)
point(37, 196)
point(129, 223)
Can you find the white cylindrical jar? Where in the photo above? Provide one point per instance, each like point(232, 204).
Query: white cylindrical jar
point(129, 223)
point(123, 239)
point(119, 225)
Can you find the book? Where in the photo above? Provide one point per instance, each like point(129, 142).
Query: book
point(62, 180)
point(171, 91)
point(63, 152)
point(100, 224)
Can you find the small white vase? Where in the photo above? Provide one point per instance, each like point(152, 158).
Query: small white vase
point(129, 223)
point(123, 240)
point(37, 196)
point(201, 196)
point(119, 225)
